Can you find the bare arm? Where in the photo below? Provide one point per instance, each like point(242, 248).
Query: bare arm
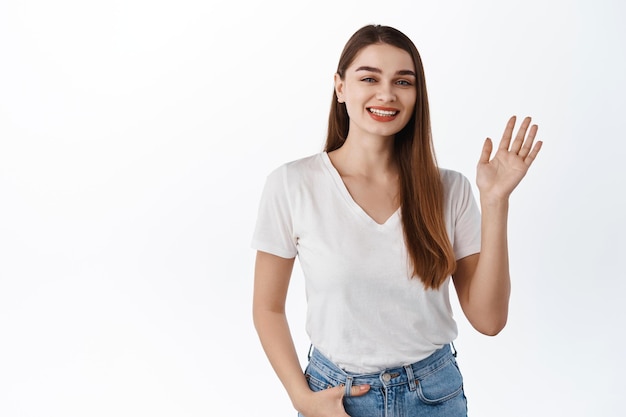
point(271, 281)
point(482, 281)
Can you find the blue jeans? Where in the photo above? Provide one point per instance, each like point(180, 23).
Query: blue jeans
point(431, 387)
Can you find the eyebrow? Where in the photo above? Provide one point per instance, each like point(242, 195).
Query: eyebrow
point(379, 71)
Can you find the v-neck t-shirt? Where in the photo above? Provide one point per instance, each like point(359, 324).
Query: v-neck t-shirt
point(365, 312)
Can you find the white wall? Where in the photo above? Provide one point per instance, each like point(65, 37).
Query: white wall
point(134, 141)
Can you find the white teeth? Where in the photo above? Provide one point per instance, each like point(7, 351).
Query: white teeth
point(378, 112)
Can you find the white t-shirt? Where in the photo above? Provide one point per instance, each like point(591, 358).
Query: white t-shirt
point(364, 311)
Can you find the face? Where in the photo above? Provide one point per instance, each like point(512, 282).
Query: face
point(379, 91)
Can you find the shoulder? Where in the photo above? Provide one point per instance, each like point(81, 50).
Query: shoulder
point(457, 189)
point(298, 169)
point(453, 179)
point(292, 177)
point(305, 165)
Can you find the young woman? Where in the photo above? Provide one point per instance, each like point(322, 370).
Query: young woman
point(379, 230)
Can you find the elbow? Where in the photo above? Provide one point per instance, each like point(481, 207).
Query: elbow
point(255, 318)
point(259, 316)
point(491, 327)
point(491, 331)
point(262, 315)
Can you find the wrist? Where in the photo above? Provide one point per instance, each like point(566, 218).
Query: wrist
point(495, 201)
point(301, 398)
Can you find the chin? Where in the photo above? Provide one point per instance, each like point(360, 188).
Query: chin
point(387, 133)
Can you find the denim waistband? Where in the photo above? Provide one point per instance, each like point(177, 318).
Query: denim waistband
point(387, 377)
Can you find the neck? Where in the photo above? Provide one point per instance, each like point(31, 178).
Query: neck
point(366, 156)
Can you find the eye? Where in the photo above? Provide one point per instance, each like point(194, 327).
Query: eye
point(404, 83)
point(368, 80)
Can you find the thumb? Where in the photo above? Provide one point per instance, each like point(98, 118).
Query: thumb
point(486, 151)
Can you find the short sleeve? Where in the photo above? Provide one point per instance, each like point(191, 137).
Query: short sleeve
point(467, 222)
point(273, 232)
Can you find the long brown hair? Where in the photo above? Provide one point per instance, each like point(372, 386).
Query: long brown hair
point(421, 189)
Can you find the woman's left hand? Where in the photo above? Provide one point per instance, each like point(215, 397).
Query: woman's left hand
point(497, 178)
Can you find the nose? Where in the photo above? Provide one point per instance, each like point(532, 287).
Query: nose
point(386, 93)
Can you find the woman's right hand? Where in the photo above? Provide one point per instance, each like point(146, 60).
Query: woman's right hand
point(329, 402)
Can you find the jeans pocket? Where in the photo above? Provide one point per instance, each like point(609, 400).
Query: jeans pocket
point(444, 383)
point(317, 380)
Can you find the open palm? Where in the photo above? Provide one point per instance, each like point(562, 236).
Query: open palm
point(497, 177)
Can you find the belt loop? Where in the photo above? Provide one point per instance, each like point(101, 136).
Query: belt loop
point(348, 386)
point(454, 351)
point(310, 352)
point(410, 377)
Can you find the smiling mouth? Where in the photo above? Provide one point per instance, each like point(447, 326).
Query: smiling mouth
point(383, 113)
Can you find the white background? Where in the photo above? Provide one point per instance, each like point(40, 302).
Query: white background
point(135, 137)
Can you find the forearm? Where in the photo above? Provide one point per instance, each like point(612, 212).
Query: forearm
point(275, 336)
point(490, 287)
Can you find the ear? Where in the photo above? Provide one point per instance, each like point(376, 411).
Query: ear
point(339, 86)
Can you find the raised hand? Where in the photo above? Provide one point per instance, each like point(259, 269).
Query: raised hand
point(497, 178)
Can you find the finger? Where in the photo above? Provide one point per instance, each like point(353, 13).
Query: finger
point(528, 142)
point(508, 133)
point(486, 152)
point(533, 153)
point(521, 134)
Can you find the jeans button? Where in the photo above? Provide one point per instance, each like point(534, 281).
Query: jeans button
point(386, 377)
